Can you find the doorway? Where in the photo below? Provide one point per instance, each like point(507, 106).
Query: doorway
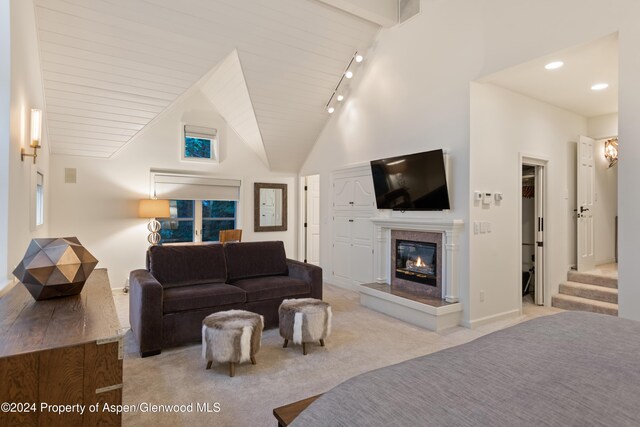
point(310, 230)
point(532, 215)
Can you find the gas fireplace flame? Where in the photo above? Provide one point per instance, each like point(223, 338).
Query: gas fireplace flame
point(420, 263)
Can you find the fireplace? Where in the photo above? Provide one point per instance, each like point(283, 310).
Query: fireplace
point(416, 261)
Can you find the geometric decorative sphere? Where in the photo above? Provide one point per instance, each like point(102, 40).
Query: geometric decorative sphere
point(55, 267)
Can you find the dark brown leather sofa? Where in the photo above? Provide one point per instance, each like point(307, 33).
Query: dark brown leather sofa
point(184, 284)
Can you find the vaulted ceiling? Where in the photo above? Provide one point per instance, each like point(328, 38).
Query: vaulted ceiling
point(111, 66)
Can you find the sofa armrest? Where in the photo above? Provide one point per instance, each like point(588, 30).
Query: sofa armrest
point(145, 311)
point(308, 273)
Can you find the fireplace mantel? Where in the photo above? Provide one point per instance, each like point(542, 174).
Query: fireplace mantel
point(450, 229)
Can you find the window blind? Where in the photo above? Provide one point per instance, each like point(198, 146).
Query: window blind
point(200, 132)
point(191, 187)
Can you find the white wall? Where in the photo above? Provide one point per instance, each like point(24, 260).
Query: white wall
point(505, 125)
point(101, 208)
point(5, 103)
point(604, 126)
point(26, 93)
point(606, 186)
point(414, 95)
point(605, 206)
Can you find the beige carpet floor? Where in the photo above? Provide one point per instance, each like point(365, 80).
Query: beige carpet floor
point(361, 340)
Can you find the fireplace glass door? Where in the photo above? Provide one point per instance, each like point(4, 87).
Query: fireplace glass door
point(416, 261)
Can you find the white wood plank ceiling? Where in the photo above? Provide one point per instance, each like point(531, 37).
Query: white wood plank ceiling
point(111, 66)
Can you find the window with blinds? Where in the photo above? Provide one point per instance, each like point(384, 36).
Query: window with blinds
point(200, 206)
point(200, 143)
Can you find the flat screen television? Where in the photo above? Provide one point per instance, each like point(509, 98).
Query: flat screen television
point(413, 182)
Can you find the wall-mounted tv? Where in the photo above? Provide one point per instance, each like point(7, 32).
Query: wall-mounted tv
point(413, 182)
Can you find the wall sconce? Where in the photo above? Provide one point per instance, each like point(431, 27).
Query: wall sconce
point(152, 209)
point(36, 134)
point(611, 151)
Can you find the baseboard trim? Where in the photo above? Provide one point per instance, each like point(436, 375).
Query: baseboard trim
point(6, 286)
point(493, 318)
point(342, 285)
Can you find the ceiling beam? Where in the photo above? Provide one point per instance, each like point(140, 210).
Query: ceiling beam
point(381, 12)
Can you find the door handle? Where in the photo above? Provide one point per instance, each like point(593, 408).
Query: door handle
point(583, 209)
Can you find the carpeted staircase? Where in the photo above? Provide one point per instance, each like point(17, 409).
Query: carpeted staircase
point(588, 292)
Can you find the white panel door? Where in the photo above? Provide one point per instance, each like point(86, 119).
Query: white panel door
point(363, 194)
point(313, 219)
point(585, 198)
point(342, 193)
point(362, 250)
point(342, 249)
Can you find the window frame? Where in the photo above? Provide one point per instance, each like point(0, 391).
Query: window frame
point(198, 221)
point(39, 199)
point(200, 132)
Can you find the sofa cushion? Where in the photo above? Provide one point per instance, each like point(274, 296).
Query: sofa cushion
point(255, 259)
point(271, 287)
point(184, 298)
point(184, 265)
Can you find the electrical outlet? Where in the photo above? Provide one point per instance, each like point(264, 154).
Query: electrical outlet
point(482, 296)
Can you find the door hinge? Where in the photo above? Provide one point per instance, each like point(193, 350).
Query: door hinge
point(305, 188)
point(305, 225)
point(540, 244)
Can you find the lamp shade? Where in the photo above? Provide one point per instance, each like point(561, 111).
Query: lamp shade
point(36, 127)
point(153, 208)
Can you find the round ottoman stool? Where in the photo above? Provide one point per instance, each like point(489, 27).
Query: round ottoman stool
point(231, 336)
point(304, 320)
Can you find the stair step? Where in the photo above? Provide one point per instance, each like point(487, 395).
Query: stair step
point(569, 302)
point(592, 279)
point(592, 292)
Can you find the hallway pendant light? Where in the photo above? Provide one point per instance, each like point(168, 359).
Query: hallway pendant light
point(359, 58)
point(339, 98)
point(330, 110)
point(348, 74)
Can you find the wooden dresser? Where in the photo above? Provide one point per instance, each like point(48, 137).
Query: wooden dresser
point(64, 351)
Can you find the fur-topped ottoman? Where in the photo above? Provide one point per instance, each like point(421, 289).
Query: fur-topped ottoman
point(231, 336)
point(304, 320)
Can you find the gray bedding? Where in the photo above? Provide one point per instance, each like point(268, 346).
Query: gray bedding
point(569, 369)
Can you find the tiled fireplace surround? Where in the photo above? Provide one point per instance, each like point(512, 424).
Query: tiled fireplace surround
point(447, 231)
point(446, 311)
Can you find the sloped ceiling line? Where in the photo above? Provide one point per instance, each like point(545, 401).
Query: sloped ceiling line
point(227, 90)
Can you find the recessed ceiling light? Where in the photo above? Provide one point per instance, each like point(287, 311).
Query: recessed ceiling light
point(600, 86)
point(348, 74)
point(554, 65)
point(340, 97)
point(330, 110)
point(359, 58)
